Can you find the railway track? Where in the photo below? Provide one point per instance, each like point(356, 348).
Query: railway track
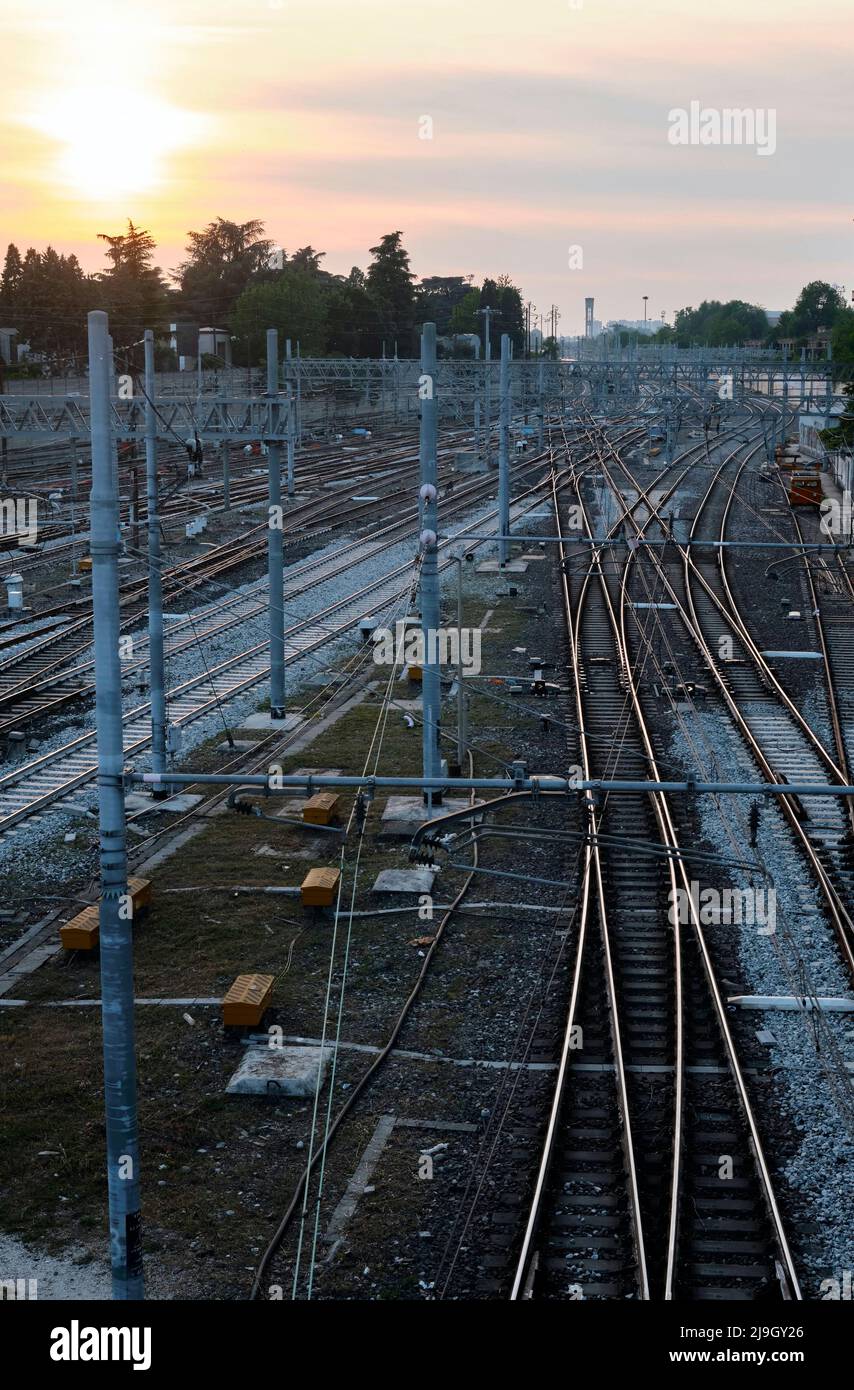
point(780, 739)
point(49, 674)
point(31, 789)
point(650, 1217)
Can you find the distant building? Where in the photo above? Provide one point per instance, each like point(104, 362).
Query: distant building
point(633, 325)
point(8, 346)
point(811, 422)
point(215, 342)
point(187, 340)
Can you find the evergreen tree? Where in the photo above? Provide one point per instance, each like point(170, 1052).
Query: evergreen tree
point(389, 280)
point(11, 277)
point(133, 291)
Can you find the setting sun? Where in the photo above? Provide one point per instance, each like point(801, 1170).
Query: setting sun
point(101, 154)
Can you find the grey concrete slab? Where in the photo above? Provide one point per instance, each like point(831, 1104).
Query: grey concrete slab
point(493, 567)
point(263, 720)
point(280, 1071)
point(404, 881)
point(412, 810)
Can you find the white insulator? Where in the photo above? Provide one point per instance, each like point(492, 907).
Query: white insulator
point(428, 539)
point(428, 493)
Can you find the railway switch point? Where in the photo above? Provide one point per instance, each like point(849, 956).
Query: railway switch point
point(320, 887)
point(247, 1000)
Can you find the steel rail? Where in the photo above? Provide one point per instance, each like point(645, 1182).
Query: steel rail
point(731, 1052)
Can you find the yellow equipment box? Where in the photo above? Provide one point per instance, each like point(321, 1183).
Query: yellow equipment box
point(140, 891)
point(246, 1001)
point(319, 887)
point(81, 933)
point(320, 809)
point(84, 564)
point(415, 673)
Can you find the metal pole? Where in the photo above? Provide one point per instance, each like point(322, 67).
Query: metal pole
point(504, 454)
point(291, 440)
point(155, 587)
point(487, 388)
point(274, 541)
point(73, 506)
point(430, 680)
point(462, 732)
point(292, 423)
point(299, 397)
point(540, 407)
point(226, 475)
point(115, 924)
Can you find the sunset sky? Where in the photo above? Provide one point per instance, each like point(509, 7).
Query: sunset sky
point(550, 124)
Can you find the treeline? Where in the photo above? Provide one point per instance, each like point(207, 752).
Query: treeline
point(714, 324)
point(235, 277)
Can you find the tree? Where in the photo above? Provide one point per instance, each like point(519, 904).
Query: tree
point(843, 336)
point(389, 281)
point(133, 291)
point(438, 297)
point(307, 259)
point(46, 297)
point(464, 317)
point(509, 317)
point(353, 327)
point(718, 325)
point(11, 277)
point(221, 262)
point(817, 306)
point(294, 303)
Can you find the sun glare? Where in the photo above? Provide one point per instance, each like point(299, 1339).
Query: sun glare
point(113, 142)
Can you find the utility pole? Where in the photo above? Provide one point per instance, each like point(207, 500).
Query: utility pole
point(431, 692)
point(487, 348)
point(291, 422)
point(226, 474)
point(157, 690)
point(504, 454)
point(73, 468)
point(540, 406)
point(114, 918)
point(274, 538)
point(462, 732)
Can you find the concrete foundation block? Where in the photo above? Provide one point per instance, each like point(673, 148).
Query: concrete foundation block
point(185, 801)
point(263, 720)
point(280, 1071)
point(404, 881)
point(412, 810)
point(493, 567)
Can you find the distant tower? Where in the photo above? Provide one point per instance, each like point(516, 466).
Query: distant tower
point(588, 318)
